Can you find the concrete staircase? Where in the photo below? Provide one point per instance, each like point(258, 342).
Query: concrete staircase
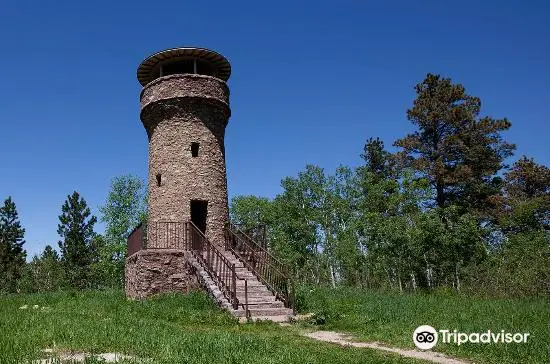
point(262, 303)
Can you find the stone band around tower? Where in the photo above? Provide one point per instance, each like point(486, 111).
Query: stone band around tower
point(178, 86)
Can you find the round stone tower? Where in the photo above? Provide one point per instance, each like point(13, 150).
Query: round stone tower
point(185, 109)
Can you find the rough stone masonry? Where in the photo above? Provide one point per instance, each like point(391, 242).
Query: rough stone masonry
point(184, 109)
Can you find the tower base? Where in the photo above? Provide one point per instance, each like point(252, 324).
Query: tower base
point(154, 271)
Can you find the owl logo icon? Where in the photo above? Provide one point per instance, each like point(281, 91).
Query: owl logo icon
point(425, 337)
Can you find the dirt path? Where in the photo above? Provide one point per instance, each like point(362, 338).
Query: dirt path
point(344, 340)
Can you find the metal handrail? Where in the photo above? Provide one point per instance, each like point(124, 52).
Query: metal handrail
point(257, 233)
point(215, 263)
point(187, 236)
point(269, 270)
point(236, 230)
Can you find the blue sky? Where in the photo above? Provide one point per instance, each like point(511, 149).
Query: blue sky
point(311, 82)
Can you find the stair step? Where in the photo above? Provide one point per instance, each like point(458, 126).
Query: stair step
point(259, 290)
point(263, 304)
point(263, 298)
point(244, 275)
point(254, 312)
point(258, 298)
point(242, 269)
point(241, 277)
point(260, 301)
point(250, 284)
point(254, 294)
point(280, 318)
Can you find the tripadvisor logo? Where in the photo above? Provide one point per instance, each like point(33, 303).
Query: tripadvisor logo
point(426, 337)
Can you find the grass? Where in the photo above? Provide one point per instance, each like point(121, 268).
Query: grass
point(392, 318)
point(167, 329)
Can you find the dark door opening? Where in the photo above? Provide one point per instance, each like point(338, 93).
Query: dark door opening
point(199, 210)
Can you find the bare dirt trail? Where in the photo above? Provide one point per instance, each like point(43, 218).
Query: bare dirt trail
point(345, 340)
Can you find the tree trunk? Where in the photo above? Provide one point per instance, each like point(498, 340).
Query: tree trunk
point(332, 279)
point(428, 272)
point(389, 278)
point(440, 194)
point(457, 276)
point(399, 280)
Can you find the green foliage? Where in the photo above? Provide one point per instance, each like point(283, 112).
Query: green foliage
point(373, 227)
point(250, 211)
point(434, 216)
point(44, 273)
point(525, 205)
point(448, 241)
point(12, 254)
point(76, 228)
point(124, 209)
point(519, 268)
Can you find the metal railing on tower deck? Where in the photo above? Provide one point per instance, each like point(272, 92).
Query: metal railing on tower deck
point(169, 235)
point(269, 270)
point(137, 240)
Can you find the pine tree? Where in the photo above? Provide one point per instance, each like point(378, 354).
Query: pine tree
point(377, 159)
point(527, 179)
point(12, 254)
point(76, 228)
point(525, 205)
point(459, 152)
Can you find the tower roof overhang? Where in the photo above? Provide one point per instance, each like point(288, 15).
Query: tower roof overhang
point(147, 67)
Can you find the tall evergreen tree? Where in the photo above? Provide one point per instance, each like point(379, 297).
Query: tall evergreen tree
point(527, 179)
point(76, 228)
point(525, 205)
point(377, 159)
point(12, 254)
point(459, 152)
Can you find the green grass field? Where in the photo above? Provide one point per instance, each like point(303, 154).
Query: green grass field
point(191, 329)
point(392, 318)
point(168, 329)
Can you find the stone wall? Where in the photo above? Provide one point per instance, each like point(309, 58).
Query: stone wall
point(154, 271)
point(178, 110)
point(184, 85)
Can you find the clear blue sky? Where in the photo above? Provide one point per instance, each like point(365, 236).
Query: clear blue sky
point(310, 84)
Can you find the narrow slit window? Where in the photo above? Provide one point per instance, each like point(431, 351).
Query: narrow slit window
point(158, 179)
point(194, 150)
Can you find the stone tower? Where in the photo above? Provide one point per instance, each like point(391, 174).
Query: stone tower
point(185, 109)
